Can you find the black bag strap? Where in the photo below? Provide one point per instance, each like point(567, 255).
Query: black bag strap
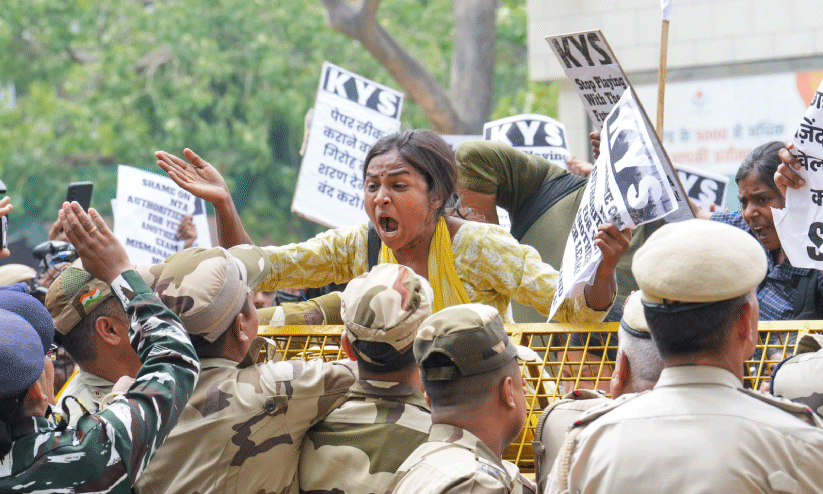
point(373, 246)
point(545, 197)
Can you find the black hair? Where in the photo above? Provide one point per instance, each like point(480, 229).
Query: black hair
point(763, 161)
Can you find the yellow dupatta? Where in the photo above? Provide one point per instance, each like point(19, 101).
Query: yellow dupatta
point(447, 287)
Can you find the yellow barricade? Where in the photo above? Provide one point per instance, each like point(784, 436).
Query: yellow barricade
point(565, 364)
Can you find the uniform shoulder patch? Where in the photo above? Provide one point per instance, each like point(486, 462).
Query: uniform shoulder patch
point(799, 410)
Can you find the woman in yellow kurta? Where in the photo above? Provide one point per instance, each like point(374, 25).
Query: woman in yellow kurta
point(409, 180)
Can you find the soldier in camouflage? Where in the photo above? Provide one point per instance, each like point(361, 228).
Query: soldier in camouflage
point(348, 452)
point(107, 451)
point(472, 379)
point(242, 429)
point(93, 328)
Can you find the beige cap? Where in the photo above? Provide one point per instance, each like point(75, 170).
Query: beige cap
point(698, 261)
point(15, 273)
point(634, 320)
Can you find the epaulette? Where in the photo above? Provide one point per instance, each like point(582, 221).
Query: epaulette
point(537, 444)
point(799, 410)
point(564, 457)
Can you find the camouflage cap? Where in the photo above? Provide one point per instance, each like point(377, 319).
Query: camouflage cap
point(386, 305)
point(73, 295)
point(471, 337)
point(21, 354)
point(207, 288)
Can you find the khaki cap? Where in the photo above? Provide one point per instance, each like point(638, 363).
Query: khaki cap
point(386, 305)
point(698, 261)
point(15, 273)
point(471, 336)
point(634, 319)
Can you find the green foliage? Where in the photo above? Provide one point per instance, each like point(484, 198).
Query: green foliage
point(109, 82)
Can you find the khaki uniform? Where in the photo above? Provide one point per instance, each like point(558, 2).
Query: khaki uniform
point(346, 452)
point(242, 429)
point(553, 424)
point(697, 431)
point(456, 461)
point(800, 378)
point(87, 388)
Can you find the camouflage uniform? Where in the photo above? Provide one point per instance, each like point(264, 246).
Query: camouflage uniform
point(242, 429)
point(106, 452)
point(454, 460)
point(347, 453)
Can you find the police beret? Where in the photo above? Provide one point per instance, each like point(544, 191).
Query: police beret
point(30, 309)
point(21, 354)
point(698, 261)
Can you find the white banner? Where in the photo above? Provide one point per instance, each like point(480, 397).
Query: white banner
point(704, 188)
point(800, 224)
point(350, 114)
point(629, 186)
point(147, 212)
point(534, 134)
point(593, 69)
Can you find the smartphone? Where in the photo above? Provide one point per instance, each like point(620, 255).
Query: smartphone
point(80, 192)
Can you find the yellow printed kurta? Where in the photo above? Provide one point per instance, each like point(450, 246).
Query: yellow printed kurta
point(491, 264)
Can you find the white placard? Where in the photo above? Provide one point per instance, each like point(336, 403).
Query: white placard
point(350, 114)
point(800, 224)
point(147, 212)
point(629, 186)
point(593, 69)
point(535, 134)
point(704, 188)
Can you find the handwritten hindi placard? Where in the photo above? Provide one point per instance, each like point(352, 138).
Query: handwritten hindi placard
point(147, 212)
point(704, 188)
point(593, 69)
point(350, 114)
point(800, 224)
point(534, 134)
point(629, 186)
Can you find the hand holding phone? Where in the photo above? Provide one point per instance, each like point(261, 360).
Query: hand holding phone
point(80, 192)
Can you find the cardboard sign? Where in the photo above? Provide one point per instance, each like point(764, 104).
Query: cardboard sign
point(704, 188)
point(350, 114)
point(147, 212)
point(535, 134)
point(589, 63)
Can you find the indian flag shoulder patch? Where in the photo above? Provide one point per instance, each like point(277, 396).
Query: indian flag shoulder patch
point(91, 297)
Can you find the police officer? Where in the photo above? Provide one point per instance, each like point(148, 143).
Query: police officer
point(472, 379)
point(698, 430)
point(346, 452)
point(105, 452)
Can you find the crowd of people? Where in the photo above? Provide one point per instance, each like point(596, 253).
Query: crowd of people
point(171, 395)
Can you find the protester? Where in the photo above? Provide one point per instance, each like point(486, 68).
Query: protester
point(637, 367)
point(347, 452)
point(242, 428)
point(410, 179)
point(472, 378)
point(698, 430)
point(105, 452)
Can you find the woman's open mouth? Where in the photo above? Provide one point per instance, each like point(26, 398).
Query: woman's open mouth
point(388, 225)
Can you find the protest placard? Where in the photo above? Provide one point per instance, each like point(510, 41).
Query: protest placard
point(589, 63)
point(147, 212)
point(534, 134)
point(800, 224)
point(350, 114)
point(629, 186)
point(704, 188)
